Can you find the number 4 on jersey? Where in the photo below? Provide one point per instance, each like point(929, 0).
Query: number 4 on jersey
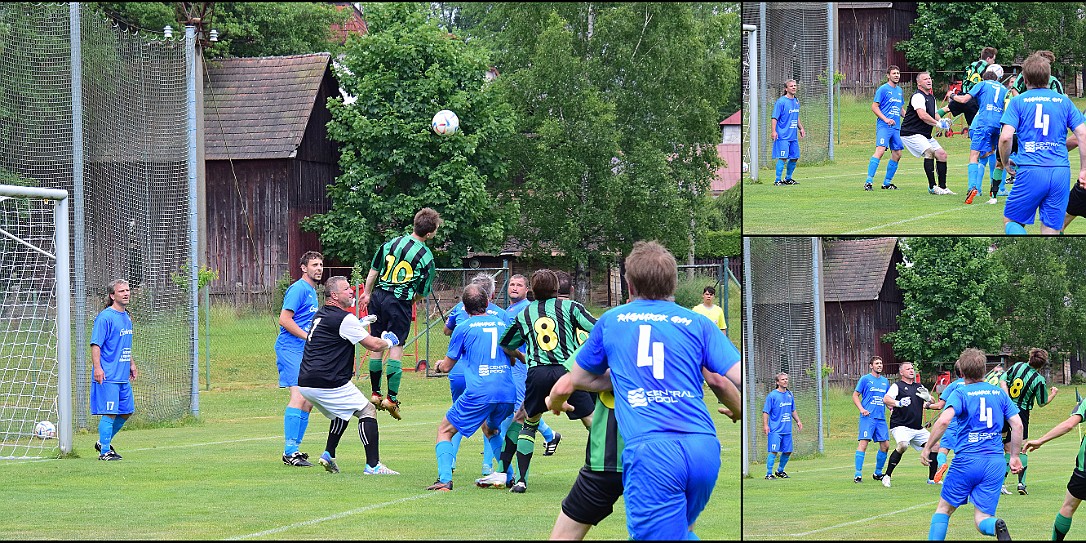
point(656, 360)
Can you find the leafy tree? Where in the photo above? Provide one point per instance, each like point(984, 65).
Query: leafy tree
point(950, 35)
point(1056, 26)
point(402, 72)
point(950, 285)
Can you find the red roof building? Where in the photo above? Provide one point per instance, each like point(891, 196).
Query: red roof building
point(729, 149)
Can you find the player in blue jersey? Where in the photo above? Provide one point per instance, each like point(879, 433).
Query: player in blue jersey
point(868, 399)
point(299, 306)
point(949, 441)
point(1041, 118)
point(488, 394)
point(777, 415)
point(114, 367)
point(887, 106)
point(785, 129)
point(976, 474)
point(658, 354)
point(984, 132)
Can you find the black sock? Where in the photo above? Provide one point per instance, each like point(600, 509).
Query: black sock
point(367, 432)
point(933, 465)
point(525, 449)
point(1022, 475)
point(375, 381)
point(335, 432)
point(509, 446)
point(929, 169)
point(895, 457)
point(941, 166)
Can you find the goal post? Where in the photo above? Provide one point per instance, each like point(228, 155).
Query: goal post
point(35, 320)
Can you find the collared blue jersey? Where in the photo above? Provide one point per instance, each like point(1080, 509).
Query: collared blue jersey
point(786, 111)
point(891, 100)
point(459, 315)
point(1041, 118)
point(872, 389)
point(954, 385)
point(301, 298)
point(990, 97)
point(487, 373)
point(980, 410)
point(779, 405)
point(656, 350)
point(112, 334)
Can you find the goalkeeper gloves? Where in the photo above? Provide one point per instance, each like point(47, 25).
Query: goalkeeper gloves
point(943, 124)
point(905, 402)
point(368, 320)
point(390, 338)
point(923, 393)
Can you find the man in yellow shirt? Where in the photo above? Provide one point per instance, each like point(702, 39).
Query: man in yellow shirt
point(711, 310)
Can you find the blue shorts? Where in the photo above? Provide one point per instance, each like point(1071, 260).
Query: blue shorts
point(1039, 188)
point(457, 383)
point(112, 399)
point(779, 443)
point(288, 362)
point(889, 138)
point(786, 149)
point(470, 411)
point(975, 479)
point(984, 138)
point(873, 429)
point(667, 483)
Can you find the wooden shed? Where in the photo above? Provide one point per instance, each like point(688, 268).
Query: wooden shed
point(867, 35)
point(268, 161)
point(861, 304)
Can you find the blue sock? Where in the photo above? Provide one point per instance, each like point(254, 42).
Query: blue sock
point(784, 460)
point(860, 463)
point(105, 431)
point(445, 456)
point(494, 443)
point(488, 452)
point(791, 167)
point(292, 419)
point(941, 459)
point(780, 168)
point(1014, 229)
point(939, 522)
point(456, 447)
point(302, 425)
point(118, 421)
point(545, 431)
point(769, 464)
point(880, 461)
point(891, 169)
point(987, 526)
point(974, 172)
point(991, 165)
point(872, 167)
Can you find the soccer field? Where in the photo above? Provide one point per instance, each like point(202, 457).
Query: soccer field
point(820, 500)
point(830, 199)
point(221, 477)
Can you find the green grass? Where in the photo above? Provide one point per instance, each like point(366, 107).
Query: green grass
point(221, 477)
point(820, 501)
point(830, 198)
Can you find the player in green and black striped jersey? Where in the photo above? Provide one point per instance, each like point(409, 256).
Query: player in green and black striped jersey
point(973, 75)
point(1026, 386)
point(401, 273)
point(1076, 486)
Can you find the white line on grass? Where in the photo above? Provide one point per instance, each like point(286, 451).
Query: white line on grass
point(331, 517)
point(903, 221)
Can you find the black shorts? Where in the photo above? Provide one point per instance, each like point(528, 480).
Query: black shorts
point(1076, 486)
point(1076, 202)
point(538, 386)
point(969, 108)
point(1024, 415)
point(593, 496)
point(393, 314)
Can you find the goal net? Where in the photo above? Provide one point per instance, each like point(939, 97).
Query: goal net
point(35, 327)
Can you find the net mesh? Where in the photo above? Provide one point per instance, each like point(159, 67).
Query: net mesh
point(784, 330)
point(28, 327)
point(792, 42)
point(135, 192)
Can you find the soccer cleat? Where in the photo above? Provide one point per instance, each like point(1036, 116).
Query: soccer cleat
point(109, 455)
point(552, 445)
point(98, 448)
point(858, 479)
point(1022, 489)
point(1001, 532)
point(1003, 193)
point(328, 462)
point(886, 480)
point(931, 482)
point(298, 458)
point(440, 486)
point(972, 194)
point(790, 182)
point(393, 408)
point(379, 469)
point(375, 399)
point(519, 488)
point(941, 472)
point(891, 186)
point(992, 200)
point(877, 476)
point(769, 477)
point(1004, 491)
point(867, 186)
point(948, 191)
point(782, 475)
point(777, 183)
point(494, 480)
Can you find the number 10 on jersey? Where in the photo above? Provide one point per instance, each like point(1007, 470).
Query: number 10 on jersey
point(656, 360)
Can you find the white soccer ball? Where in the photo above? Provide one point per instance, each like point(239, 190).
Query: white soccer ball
point(445, 123)
point(45, 430)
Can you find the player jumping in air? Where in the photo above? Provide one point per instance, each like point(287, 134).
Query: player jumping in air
point(984, 132)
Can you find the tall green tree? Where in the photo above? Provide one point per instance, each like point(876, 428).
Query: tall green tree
point(950, 35)
point(950, 286)
point(402, 72)
point(1059, 27)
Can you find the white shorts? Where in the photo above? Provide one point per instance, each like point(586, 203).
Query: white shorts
point(915, 438)
point(918, 145)
point(342, 403)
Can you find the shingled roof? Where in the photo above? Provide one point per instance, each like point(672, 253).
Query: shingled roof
point(258, 108)
point(856, 269)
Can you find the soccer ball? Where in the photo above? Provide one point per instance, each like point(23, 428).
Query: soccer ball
point(445, 123)
point(45, 430)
